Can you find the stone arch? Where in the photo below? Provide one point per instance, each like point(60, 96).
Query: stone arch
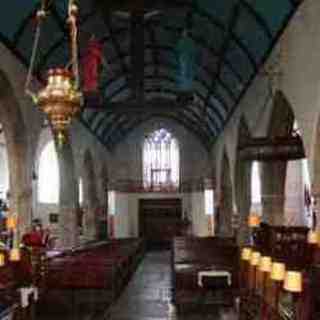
point(15, 132)
point(273, 174)
point(224, 215)
point(90, 196)
point(243, 183)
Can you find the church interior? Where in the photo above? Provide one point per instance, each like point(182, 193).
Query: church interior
point(159, 160)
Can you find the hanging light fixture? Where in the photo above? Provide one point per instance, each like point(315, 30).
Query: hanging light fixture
point(61, 97)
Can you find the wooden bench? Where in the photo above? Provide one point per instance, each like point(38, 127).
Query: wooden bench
point(193, 255)
point(84, 281)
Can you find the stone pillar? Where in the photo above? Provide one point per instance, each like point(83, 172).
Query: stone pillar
point(69, 235)
point(90, 225)
point(90, 197)
point(21, 202)
point(273, 188)
point(20, 181)
point(243, 199)
point(225, 214)
point(273, 209)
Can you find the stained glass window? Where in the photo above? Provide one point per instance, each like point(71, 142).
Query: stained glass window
point(161, 164)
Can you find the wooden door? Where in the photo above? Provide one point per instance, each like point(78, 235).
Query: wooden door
point(159, 221)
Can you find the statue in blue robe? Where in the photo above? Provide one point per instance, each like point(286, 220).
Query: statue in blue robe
point(186, 56)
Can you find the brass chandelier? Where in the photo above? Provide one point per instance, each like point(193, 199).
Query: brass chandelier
point(60, 99)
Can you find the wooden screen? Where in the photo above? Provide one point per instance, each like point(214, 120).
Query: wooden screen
point(159, 221)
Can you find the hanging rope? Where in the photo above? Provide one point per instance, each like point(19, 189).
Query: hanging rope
point(41, 14)
point(72, 19)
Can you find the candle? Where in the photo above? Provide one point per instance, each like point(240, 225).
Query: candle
point(14, 255)
point(2, 260)
point(246, 254)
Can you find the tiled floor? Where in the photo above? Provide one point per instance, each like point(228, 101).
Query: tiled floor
point(148, 295)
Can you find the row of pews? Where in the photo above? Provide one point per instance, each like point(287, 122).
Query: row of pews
point(264, 298)
point(205, 272)
point(80, 284)
point(14, 276)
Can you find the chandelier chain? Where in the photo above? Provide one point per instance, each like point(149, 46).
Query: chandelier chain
point(41, 14)
point(72, 12)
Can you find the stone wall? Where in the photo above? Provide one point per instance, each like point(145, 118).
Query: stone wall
point(299, 83)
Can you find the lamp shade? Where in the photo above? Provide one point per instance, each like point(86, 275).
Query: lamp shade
point(2, 260)
point(265, 264)
point(278, 271)
point(254, 220)
point(246, 254)
point(255, 258)
point(313, 237)
point(293, 281)
point(14, 255)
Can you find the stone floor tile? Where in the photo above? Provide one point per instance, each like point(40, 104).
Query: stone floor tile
point(148, 295)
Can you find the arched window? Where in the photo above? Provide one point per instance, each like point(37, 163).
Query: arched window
point(255, 186)
point(161, 160)
point(48, 183)
point(297, 207)
point(80, 191)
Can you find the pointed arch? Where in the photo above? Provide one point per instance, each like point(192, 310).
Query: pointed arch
point(15, 132)
point(273, 175)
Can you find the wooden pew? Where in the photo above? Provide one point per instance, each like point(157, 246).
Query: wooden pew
point(13, 277)
point(84, 281)
point(193, 255)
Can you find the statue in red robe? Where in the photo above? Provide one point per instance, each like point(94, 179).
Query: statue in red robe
point(37, 237)
point(91, 63)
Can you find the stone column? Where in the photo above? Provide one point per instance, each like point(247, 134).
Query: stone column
point(273, 188)
point(21, 202)
point(243, 199)
point(273, 209)
point(20, 181)
point(225, 214)
point(69, 235)
point(90, 229)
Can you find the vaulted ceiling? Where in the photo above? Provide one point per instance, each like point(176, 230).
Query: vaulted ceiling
point(233, 38)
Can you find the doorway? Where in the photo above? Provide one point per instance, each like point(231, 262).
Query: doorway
point(160, 220)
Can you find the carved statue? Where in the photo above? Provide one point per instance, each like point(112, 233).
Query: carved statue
point(91, 62)
point(186, 56)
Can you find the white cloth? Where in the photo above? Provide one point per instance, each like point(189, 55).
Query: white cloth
point(213, 274)
point(25, 293)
